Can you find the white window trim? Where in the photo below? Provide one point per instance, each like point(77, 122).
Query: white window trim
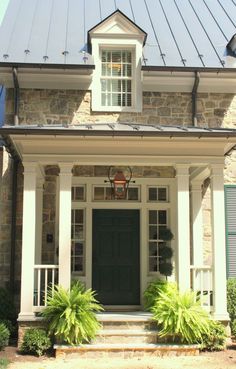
point(144, 206)
point(120, 44)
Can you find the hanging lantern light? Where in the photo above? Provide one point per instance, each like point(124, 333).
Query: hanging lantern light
point(119, 182)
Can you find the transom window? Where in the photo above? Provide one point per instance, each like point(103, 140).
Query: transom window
point(116, 78)
point(103, 193)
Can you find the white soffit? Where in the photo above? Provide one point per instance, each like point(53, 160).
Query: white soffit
point(49, 145)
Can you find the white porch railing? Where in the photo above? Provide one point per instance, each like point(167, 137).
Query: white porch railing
point(45, 277)
point(202, 284)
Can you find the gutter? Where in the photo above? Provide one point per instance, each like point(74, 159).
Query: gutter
point(46, 66)
point(88, 132)
point(194, 98)
point(157, 68)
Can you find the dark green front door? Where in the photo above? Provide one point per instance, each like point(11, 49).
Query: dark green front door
point(115, 269)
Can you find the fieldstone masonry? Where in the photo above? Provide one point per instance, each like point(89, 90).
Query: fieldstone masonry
point(72, 107)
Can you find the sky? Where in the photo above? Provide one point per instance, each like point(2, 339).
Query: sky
point(3, 6)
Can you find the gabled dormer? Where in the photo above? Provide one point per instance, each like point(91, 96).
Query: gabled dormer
point(116, 44)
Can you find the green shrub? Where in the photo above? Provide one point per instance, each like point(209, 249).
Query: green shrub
point(231, 298)
point(71, 314)
point(35, 342)
point(153, 290)
point(180, 316)
point(215, 340)
point(4, 363)
point(233, 327)
point(7, 307)
point(12, 327)
point(4, 336)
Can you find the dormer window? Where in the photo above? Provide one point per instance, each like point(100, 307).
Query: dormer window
point(117, 45)
point(116, 78)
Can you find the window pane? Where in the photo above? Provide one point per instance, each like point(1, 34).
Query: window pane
point(79, 216)
point(78, 193)
point(132, 193)
point(152, 248)
point(116, 85)
point(98, 193)
point(153, 265)
point(152, 194)
point(116, 69)
point(162, 194)
point(116, 56)
point(162, 217)
point(152, 217)
point(116, 99)
point(152, 233)
point(78, 248)
point(78, 264)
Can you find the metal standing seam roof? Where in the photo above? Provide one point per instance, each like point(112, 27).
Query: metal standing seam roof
point(180, 33)
point(118, 129)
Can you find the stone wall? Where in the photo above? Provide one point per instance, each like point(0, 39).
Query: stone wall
point(5, 225)
point(53, 107)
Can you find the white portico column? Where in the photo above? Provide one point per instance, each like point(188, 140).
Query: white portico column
point(197, 230)
point(39, 220)
point(65, 178)
point(218, 242)
point(183, 224)
point(28, 241)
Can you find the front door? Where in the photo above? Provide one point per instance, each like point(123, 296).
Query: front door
point(115, 269)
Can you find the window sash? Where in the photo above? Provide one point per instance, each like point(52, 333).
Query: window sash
point(116, 78)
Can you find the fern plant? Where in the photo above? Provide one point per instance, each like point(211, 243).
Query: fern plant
point(71, 314)
point(152, 292)
point(180, 317)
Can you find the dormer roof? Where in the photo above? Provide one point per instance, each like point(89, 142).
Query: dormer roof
point(118, 24)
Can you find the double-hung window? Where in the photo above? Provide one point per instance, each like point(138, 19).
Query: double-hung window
point(116, 78)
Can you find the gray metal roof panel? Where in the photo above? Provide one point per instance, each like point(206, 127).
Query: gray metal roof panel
point(118, 129)
point(179, 31)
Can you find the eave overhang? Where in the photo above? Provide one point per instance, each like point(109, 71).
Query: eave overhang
point(119, 140)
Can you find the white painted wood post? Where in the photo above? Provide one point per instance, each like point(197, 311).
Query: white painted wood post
point(218, 242)
point(28, 241)
point(65, 179)
point(39, 220)
point(197, 230)
point(183, 225)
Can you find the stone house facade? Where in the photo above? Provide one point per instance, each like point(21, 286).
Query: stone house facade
point(176, 137)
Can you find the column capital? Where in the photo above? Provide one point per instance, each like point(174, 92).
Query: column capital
point(182, 169)
point(30, 167)
point(217, 169)
point(196, 186)
point(65, 168)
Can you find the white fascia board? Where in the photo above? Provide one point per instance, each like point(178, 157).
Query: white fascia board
point(50, 80)
point(128, 146)
point(184, 81)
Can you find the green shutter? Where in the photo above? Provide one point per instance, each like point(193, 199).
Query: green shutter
point(230, 216)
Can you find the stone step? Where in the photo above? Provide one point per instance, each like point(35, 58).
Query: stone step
point(127, 321)
point(137, 336)
point(125, 350)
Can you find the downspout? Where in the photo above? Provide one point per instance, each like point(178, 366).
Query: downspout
point(194, 98)
point(14, 186)
point(16, 96)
